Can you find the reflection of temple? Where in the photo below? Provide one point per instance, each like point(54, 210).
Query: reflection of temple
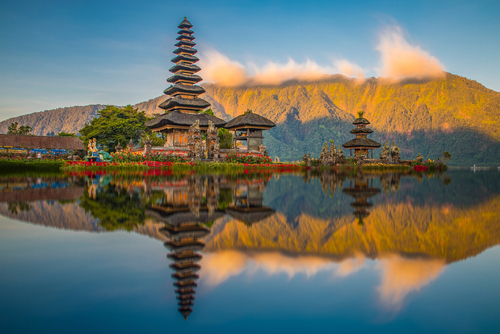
point(188, 208)
point(361, 191)
point(247, 204)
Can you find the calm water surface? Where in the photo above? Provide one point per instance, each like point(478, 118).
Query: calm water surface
point(247, 253)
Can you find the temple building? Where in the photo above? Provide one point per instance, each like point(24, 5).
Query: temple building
point(183, 107)
point(361, 144)
point(247, 206)
point(248, 128)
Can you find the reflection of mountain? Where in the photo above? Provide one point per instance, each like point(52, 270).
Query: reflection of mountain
point(66, 216)
point(446, 232)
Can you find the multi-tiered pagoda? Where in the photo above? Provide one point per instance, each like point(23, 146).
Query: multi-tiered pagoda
point(183, 107)
point(361, 144)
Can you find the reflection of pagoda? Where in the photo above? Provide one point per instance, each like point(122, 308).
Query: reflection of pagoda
point(247, 204)
point(188, 211)
point(361, 191)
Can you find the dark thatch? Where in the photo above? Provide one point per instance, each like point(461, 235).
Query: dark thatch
point(185, 37)
point(250, 119)
point(360, 120)
point(62, 143)
point(361, 142)
point(180, 88)
point(185, 31)
point(190, 51)
point(179, 58)
point(361, 192)
point(191, 78)
point(361, 130)
point(185, 24)
point(181, 44)
point(178, 101)
point(184, 67)
point(250, 217)
point(187, 231)
point(181, 217)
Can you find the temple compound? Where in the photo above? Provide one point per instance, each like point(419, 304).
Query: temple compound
point(182, 109)
point(187, 130)
point(361, 144)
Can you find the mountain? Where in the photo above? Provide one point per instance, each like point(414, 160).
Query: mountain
point(70, 119)
point(428, 116)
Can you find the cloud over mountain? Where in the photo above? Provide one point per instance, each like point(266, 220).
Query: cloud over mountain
point(399, 59)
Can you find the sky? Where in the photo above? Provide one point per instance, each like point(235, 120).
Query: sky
point(66, 53)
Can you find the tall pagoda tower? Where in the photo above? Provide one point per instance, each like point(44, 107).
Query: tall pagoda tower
point(184, 104)
point(361, 144)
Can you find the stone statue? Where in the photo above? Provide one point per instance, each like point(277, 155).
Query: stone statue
point(385, 155)
point(323, 157)
point(131, 144)
point(262, 148)
point(395, 155)
point(147, 145)
point(118, 148)
point(419, 159)
point(333, 153)
point(304, 158)
point(309, 161)
point(216, 150)
point(340, 155)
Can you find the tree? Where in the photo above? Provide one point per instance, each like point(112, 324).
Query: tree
point(23, 130)
point(66, 134)
point(115, 126)
point(225, 139)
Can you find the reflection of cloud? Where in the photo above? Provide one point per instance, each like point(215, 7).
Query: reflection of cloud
point(219, 267)
point(400, 276)
point(350, 266)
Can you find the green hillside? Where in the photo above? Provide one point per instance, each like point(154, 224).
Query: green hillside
point(452, 114)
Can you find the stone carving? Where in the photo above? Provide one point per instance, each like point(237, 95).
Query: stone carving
point(385, 155)
point(304, 158)
point(340, 156)
point(147, 145)
point(194, 141)
point(419, 159)
point(262, 148)
point(118, 148)
point(324, 156)
point(395, 155)
point(333, 153)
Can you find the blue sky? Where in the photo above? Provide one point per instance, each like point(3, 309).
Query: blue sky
point(65, 53)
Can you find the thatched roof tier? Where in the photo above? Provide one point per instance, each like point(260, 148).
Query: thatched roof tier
point(184, 285)
point(185, 37)
point(184, 67)
point(186, 58)
point(250, 119)
point(182, 246)
point(182, 44)
point(184, 89)
point(177, 118)
point(361, 130)
point(197, 232)
point(185, 311)
point(361, 143)
point(189, 276)
point(59, 143)
point(185, 24)
point(361, 120)
point(193, 257)
point(361, 192)
point(185, 32)
point(361, 204)
point(179, 102)
point(189, 51)
point(251, 216)
point(185, 268)
point(182, 77)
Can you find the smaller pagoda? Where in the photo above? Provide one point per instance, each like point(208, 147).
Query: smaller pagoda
point(361, 144)
point(248, 128)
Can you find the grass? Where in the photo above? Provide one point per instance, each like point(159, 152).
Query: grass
point(25, 165)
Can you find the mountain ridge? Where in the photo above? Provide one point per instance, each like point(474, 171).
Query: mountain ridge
point(425, 116)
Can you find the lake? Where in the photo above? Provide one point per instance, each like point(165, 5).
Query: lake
point(250, 252)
